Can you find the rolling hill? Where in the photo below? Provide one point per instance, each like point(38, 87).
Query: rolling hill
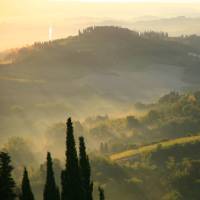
point(147, 149)
point(100, 70)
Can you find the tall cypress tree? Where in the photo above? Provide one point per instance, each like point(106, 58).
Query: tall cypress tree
point(7, 184)
point(63, 185)
point(51, 191)
point(85, 170)
point(71, 184)
point(101, 193)
point(26, 191)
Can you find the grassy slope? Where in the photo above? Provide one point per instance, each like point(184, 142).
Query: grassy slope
point(151, 147)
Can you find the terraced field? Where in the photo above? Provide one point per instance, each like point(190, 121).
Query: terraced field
point(149, 148)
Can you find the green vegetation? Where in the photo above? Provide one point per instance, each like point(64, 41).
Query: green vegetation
point(173, 172)
point(26, 191)
point(85, 171)
point(172, 167)
point(71, 179)
point(172, 117)
point(101, 194)
point(75, 178)
point(7, 184)
point(152, 147)
point(51, 191)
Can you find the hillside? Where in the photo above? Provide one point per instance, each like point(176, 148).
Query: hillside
point(97, 71)
point(171, 117)
point(148, 149)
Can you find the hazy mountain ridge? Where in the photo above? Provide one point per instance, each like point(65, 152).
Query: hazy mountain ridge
point(175, 26)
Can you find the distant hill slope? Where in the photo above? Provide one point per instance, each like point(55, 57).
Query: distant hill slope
point(175, 26)
point(101, 70)
point(125, 155)
point(179, 25)
point(112, 45)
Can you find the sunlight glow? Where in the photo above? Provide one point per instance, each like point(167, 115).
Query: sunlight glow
point(128, 1)
point(50, 33)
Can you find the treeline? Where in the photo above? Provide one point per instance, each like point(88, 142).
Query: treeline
point(110, 30)
point(92, 32)
point(100, 45)
point(76, 183)
point(121, 32)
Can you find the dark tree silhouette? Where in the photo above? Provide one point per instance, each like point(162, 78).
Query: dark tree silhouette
point(71, 184)
point(51, 191)
point(101, 193)
point(85, 170)
point(7, 184)
point(26, 191)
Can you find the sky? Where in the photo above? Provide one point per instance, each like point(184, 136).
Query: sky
point(23, 22)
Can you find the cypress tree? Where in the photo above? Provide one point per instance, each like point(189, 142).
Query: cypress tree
point(26, 191)
point(63, 185)
point(7, 184)
point(51, 191)
point(85, 170)
point(71, 184)
point(101, 193)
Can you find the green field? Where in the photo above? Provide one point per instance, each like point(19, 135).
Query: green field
point(152, 147)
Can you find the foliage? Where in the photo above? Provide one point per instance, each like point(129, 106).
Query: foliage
point(51, 191)
point(101, 194)
point(71, 180)
point(7, 184)
point(26, 191)
point(85, 171)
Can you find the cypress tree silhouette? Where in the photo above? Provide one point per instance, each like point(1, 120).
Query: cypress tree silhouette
point(7, 184)
point(101, 193)
point(51, 191)
point(71, 184)
point(63, 185)
point(26, 191)
point(85, 170)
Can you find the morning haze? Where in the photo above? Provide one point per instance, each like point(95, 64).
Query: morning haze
point(99, 100)
point(24, 22)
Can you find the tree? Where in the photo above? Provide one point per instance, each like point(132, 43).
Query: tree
point(26, 191)
point(186, 178)
point(101, 193)
point(51, 191)
point(85, 170)
point(7, 184)
point(71, 184)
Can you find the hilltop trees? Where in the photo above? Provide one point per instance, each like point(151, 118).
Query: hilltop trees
point(51, 191)
point(7, 184)
point(26, 191)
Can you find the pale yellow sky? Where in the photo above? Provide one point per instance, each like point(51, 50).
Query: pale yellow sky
point(9, 8)
point(25, 21)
